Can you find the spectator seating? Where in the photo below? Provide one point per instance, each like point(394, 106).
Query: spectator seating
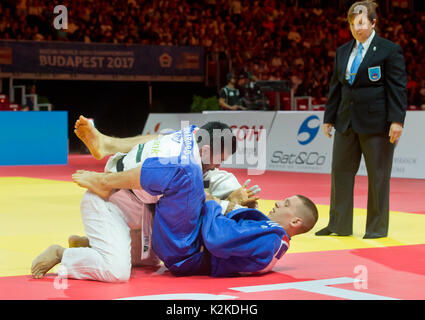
point(270, 39)
point(303, 103)
point(4, 103)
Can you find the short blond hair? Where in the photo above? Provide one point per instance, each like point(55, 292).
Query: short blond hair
point(371, 7)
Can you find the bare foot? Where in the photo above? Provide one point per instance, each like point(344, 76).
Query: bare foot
point(92, 181)
point(46, 261)
point(78, 242)
point(91, 137)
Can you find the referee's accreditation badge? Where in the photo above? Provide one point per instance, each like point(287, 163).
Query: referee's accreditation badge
point(374, 73)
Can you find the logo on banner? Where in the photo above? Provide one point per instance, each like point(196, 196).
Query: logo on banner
point(188, 60)
point(308, 130)
point(155, 129)
point(165, 60)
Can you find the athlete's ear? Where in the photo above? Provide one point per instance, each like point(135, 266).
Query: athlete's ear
point(296, 222)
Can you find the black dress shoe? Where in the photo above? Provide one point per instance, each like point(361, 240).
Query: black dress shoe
point(327, 232)
point(324, 232)
point(373, 236)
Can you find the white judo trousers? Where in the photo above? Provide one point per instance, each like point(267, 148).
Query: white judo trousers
point(119, 232)
point(108, 228)
point(108, 225)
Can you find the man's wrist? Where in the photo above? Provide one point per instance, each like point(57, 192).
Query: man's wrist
point(230, 207)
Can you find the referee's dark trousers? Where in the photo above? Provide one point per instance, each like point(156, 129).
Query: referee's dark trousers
point(378, 154)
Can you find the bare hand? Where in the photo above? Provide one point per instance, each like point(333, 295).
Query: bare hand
point(253, 190)
point(209, 196)
point(250, 203)
point(238, 196)
point(395, 131)
point(327, 127)
point(245, 197)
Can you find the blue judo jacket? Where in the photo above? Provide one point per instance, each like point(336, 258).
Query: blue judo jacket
point(244, 242)
point(178, 177)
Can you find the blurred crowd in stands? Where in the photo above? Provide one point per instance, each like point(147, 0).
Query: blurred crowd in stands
point(270, 39)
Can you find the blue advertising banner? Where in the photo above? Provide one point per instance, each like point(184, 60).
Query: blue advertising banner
point(33, 138)
point(63, 60)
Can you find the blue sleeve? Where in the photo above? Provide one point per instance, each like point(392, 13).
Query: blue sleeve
point(177, 222)
point(225, 237)
point(157, 173)
point(240, 246)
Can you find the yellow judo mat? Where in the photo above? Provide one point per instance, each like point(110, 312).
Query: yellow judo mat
point(35, 213)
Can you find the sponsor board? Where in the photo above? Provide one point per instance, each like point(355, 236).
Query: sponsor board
point(33, 138)
point(250, 128)
point(297, 143)
point(409, 153)
point(294, 141)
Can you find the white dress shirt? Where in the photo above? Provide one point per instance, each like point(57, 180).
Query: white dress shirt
point(366, 46)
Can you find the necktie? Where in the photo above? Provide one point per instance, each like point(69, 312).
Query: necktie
point(356, 63)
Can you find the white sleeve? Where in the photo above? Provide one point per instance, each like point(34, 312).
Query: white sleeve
point(224, 204)
point(221, 183)
point(111, 165)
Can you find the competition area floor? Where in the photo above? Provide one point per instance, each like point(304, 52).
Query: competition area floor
point(39, 206)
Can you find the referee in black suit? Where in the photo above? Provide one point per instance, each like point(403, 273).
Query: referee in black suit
point(367, 106)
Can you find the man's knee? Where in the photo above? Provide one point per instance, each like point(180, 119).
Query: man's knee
point(90, 203)
point(119, 272)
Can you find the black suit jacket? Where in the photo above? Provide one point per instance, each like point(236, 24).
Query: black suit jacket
point(372, 102)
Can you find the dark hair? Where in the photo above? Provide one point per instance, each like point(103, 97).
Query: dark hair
point(312, 211)
point(230, 76)
point(220, 137)
point(371, 7)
